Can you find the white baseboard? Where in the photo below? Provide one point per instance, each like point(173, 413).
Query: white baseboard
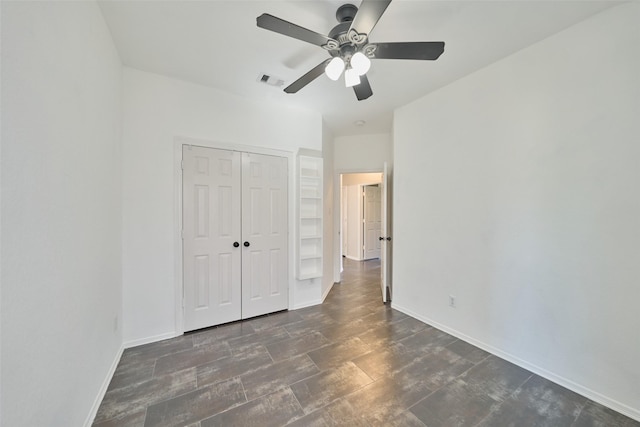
point(630, 412)
point(313, 302)
point(147, 340)
point(324, 295)
point(306, 304)
point(103, 389)
point(353, 258)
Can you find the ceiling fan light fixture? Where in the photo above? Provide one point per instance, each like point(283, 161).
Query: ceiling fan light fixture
point(360, 63)
point(334, 68)
point(349, 47)
point(351, 77)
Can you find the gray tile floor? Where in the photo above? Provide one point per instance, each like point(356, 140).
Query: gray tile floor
point(350, 362)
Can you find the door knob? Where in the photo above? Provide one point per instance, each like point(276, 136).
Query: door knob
point(236, 244)
point(388, 239)
point(247, 244)
point(380, 238)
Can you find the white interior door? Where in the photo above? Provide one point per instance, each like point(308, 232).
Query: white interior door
point(372, 221)
point(354, 222)
point(345, 223)
point(264, 234)
point(211, 226)
point(385, 220)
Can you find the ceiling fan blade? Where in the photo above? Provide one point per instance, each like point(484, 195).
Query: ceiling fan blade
point(367, 17)
point(409, 50)
point(363, 90)
point(310, 76)
point(272, 23)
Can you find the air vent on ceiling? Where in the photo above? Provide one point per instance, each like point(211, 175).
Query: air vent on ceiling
point(270, 80)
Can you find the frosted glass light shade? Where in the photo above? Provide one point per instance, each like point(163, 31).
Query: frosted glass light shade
point(360, 63)
point(351, 77)
point(334, 68)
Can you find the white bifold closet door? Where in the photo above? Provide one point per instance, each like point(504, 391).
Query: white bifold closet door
point(264, 227)
point(235, 235)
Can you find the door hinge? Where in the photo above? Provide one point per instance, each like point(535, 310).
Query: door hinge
point(182, 234)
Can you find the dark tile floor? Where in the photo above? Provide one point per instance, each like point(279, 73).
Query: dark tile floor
point(350, 362)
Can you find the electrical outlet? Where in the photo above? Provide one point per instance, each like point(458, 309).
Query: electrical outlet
point(452, 301)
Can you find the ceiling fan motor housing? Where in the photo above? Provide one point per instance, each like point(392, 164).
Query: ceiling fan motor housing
point(346, 47)
point(346, 13)
point(348, 42)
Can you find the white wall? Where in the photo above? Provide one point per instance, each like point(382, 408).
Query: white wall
point(362, 153)
point(516, 190)
point(158, 109)
point(61, 204)
point(361, 178)
point(328, 230)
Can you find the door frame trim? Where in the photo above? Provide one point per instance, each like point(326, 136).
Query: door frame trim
point(178, 143)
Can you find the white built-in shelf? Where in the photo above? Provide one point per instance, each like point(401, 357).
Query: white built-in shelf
point(309, 259)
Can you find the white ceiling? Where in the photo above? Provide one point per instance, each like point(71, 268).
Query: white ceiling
point(217, 43)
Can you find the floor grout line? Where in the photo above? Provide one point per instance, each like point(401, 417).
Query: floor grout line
point(299, 404)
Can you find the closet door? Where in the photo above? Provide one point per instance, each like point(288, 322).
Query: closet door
point(264, 234)
point(211, 223)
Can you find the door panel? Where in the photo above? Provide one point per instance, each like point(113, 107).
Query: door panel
point(264, 274)
point(278, 206)
point(276, 280)
point(211, 216)
point(372, 224)
point(226, 275)
point(201, 265)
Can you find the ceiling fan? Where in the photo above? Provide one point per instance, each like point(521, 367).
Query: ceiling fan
point(349, 46)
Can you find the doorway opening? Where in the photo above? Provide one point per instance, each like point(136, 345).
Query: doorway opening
point(360, 219)
point(364, 219)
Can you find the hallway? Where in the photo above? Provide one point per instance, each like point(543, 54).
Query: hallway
point(351, 361)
